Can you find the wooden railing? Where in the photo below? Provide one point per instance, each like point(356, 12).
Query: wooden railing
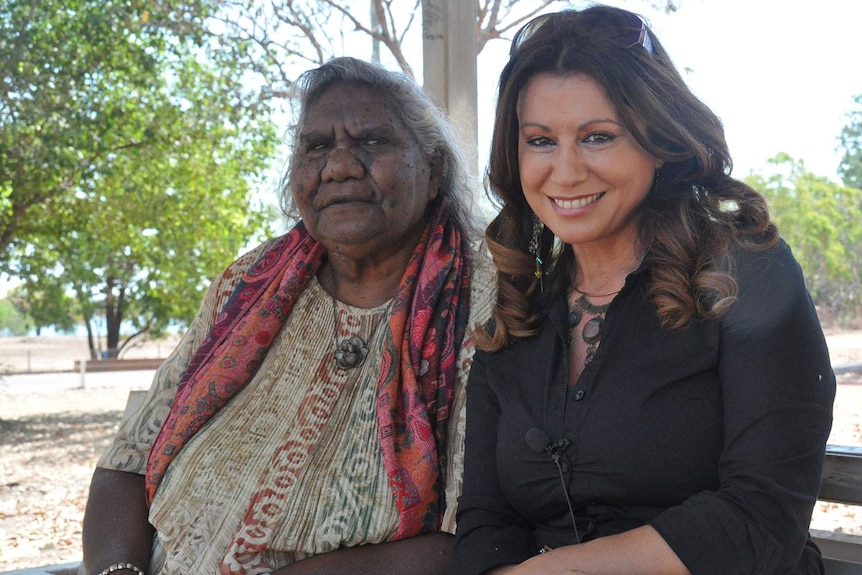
point(841, 483)
point(103, 365)
point(89, 366)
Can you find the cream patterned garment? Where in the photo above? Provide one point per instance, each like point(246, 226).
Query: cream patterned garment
point(299, 408)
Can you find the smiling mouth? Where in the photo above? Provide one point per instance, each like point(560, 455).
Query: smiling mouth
point(577, 202)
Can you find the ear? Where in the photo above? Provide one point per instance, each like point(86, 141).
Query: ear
point(659, 163)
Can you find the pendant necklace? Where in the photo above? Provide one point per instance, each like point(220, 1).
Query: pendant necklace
point(591, 333)
point(351, 351)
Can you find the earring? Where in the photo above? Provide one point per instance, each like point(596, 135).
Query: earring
point(536, 249)
point(655, 179)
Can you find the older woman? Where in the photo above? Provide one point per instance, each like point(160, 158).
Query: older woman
point(310, 419)
point(655, 393)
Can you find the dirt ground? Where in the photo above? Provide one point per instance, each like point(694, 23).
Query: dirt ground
point(50, 441)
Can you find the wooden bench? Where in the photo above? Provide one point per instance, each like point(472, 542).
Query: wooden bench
point(845, 368)
point(108, 365)
point(841, 483)
point(93, 365)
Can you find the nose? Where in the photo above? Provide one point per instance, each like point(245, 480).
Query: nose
point(570, 168)
point(342, 164)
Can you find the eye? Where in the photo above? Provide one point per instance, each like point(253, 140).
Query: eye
point(599, 138)
point(373, 142)
point(313, 144)
point(539, 142)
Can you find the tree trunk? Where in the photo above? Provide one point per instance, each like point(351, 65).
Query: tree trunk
point(90, 342)
point(114, 300)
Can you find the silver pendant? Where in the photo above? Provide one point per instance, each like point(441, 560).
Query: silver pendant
point(351, 353)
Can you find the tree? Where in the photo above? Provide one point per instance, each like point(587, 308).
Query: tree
point(851, 145)
point(12, 320)
point(49, 307)
point(60, 61)
point(133, 144)
point(820, 221)
point(135, 251)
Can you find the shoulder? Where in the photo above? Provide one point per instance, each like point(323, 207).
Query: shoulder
point(771, 289)
point(223, 284)
point(768, 272)
point(242, 264)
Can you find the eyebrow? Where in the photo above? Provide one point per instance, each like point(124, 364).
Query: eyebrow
point(357, 133)
point(313, 134)
point(580, 127)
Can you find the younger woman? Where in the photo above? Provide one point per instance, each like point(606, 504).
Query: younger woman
point(655, 392)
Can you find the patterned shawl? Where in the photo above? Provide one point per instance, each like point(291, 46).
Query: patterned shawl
point(417, 373)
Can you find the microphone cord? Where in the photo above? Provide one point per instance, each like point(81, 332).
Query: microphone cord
point(539, 441)
point(568, 500)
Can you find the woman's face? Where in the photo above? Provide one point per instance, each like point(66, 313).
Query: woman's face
point(583, 173)
point(358, 178)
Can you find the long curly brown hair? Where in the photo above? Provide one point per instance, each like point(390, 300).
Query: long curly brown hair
point(692, 218)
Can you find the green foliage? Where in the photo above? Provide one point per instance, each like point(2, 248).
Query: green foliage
point(820, 221)
point(129, 146)
point(851, 146)
point(49, 307)
point(71, 73)
point(12, 320)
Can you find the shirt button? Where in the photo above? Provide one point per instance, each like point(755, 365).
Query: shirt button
point(580, 395)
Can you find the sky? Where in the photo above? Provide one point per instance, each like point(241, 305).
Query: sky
point(781, 74)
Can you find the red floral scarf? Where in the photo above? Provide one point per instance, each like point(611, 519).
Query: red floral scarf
point(417, 373)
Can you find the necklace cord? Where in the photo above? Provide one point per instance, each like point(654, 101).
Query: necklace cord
point(583, 293)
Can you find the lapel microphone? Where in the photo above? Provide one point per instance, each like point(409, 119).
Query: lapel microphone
point(540, 441)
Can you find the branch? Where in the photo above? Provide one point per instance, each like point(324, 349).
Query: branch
point(129, 339)
point(387, 35)
point(306, 27)
point(494, 27)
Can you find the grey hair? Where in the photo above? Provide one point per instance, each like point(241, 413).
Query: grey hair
point(425, 121)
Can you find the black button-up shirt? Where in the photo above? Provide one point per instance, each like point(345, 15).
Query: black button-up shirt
point(713, 434)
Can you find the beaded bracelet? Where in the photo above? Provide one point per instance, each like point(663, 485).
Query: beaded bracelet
point(120, 567)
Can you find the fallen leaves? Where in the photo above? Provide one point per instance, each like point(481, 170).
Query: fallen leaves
point(45, 466)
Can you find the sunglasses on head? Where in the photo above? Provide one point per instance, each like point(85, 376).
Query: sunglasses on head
point(631, 29)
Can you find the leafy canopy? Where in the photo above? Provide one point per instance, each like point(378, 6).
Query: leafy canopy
point(131, 146)
point(851, 146)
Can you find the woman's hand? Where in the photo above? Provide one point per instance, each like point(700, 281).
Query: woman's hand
point(536, 566)
point(641, 551)
point(545, 564)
